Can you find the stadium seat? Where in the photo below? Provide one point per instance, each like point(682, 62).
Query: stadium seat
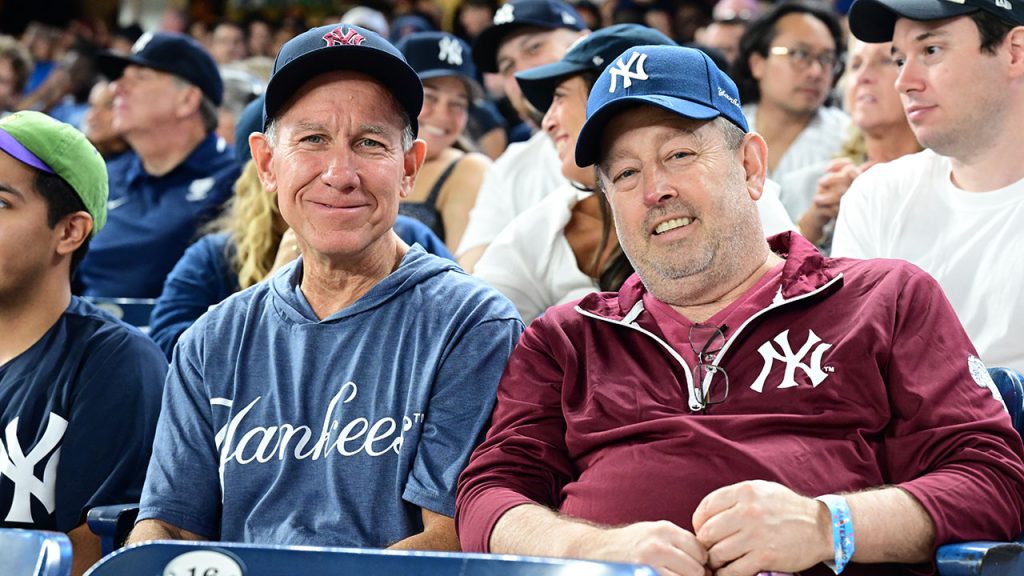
point(134, 311)
point(224, 559)
point(112, 524)
point(991, 558)
point(34, 553)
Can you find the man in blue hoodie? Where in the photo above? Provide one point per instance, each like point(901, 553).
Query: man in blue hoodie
point(337, 402)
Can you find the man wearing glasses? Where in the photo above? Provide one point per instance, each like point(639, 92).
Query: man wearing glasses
point(789, 60)
point(741, 404)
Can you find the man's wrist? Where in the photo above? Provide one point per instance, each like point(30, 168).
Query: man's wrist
point(825, 550)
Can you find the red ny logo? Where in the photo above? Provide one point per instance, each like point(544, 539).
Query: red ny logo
point(343, 37)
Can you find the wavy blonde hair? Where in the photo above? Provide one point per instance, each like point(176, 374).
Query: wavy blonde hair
point(250, 218)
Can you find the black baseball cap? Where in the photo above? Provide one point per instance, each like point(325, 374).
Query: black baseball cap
point(548, 14)
point(342, 47)
point(437, 54)
point(591, 53)
point(874, 20)
point(172, 53)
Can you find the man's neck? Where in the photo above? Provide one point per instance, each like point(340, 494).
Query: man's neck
point(27, 316)
point(890, 144)
point(701, 311)
point(163, 150)
point(992, 167)
point(330, 286)
point(779, 128)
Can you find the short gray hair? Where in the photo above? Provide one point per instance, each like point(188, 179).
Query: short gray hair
point(207, 109)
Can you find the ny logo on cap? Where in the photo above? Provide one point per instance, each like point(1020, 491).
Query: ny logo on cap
point(624, 69)
point(567, 19)
point(342, 36)
point(1005, 4)
point(450, 51)
point(504, 15)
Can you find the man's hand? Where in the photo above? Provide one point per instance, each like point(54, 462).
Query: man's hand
point(667, 548)
point(824, 207)
point(759, 526)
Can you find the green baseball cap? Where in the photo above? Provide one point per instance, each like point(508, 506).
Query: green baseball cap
point(46, 144)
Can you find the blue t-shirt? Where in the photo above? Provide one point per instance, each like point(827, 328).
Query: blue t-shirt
point(204, 276)
point(77, 413)
point(152, 219)
point(281, 428)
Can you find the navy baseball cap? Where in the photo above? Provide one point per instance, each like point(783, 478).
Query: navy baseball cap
point(874, 20)
point(172, 53)
point(436, 54)
point(549, 14)
point(342, 47)
point(592, 52)
point(682, 80)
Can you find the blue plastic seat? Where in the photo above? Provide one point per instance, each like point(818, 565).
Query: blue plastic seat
point(991, 558)
point(253, 560)
point(34, 553)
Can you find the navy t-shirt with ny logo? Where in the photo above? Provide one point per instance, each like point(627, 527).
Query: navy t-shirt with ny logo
point(78, 411)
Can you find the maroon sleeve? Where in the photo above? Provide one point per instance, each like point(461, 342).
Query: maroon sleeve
point(950, 444)
point(524, 457)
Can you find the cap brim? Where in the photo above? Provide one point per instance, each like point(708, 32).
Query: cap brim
point(875, 20)
point(112, 65)
point(476, 91)
point(588, 143)
point(538, 84)
point(393, 73)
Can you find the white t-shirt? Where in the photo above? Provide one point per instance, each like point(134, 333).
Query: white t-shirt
point(522, 176)
point(971, 242)
point(798, 170)
point(533, 265)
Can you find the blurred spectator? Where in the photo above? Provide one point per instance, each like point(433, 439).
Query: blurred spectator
point(201, 33)
point(688, 16)
point(227, 45)
point(240, 88)
point(178, 173)
point(367, 18)
point(98, 125)
point(724, 36)
point(880, 133)
point(789, 61)
point(408, 24)
point(447, 185)
point(174, 20)
point(590, 12)
point(525, 34)
point(261, 38)
point(15, 68)
point(41, 41)
point(124, 37)
point(473, 17)
point(64, 94)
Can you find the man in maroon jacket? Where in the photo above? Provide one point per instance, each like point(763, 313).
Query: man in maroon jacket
point(741, 405)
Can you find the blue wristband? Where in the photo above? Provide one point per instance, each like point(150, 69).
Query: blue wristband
point(842, 530)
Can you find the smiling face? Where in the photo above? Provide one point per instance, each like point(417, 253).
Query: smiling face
point(444, 114)
point(681, 197)
point(871, 97)
point(338, 166)
point(956, 96)
point(563, 122)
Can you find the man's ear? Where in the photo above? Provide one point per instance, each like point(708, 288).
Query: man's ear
point(262, 154)
point(72, 231)
point(1014, 41)
point(190, 100)
point(754, 157)
point(756, 63)
point(413, 162)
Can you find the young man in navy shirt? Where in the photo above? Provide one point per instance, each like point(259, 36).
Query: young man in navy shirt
point(79, 390)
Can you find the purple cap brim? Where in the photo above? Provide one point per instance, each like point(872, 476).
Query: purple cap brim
point(11, 146)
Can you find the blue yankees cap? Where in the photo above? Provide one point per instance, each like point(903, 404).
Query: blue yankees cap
point(436, 54)
point(342, 47)
point(875, 20)
point(172, 53)
point(592, 52)
point(549, 14)
point(684, 81)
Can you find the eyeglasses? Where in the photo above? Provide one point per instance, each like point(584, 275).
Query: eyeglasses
point(706, 341)
point(802, 58)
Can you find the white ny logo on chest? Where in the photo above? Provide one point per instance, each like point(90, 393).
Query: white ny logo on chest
point(19, 468)
point(793, 360)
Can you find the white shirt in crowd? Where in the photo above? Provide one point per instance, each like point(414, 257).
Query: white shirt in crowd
point(971, 242)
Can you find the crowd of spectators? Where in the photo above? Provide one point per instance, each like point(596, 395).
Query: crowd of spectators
point(533, 240)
